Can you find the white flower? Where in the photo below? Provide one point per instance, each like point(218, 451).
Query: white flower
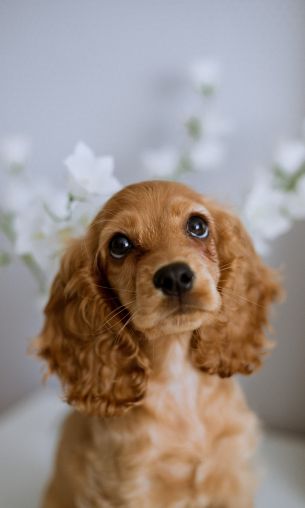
point(40, 212)
point(35, 234)
point(290, 156)
point(207, 155)
point(83, 212)
point(264, 211)
point(15, 150)
point(42, 234)
point(90, 174)
point(20, 193)
point(205, 75)
point(55, 203)
point(17, 195)
point(162, 162)
point(295, 201)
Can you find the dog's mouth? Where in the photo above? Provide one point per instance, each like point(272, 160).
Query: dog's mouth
point(186, 305)
point(178, 317)
point(181, 318)
point(187, 313)
point(177, 313)
point(184, 309)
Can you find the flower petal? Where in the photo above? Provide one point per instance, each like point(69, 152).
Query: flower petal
point(15, 150)
point(264, 210)
point(295, 201)
point(290, 156)
point(90, 174)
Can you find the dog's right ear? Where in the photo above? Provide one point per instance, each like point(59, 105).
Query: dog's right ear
point(235, 340)
point(84, 340)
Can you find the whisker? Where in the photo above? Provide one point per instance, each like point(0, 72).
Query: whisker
point(117, 337)
point(225, 267)
point(116, 312)
point(231, 293)
point(125, 324)
point(112, 315)
point(113, 326)
point(113, 289)
point(226, 264)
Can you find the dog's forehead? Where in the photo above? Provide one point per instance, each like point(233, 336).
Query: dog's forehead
point(152, 209)
point(154, 197)
point(154, 200)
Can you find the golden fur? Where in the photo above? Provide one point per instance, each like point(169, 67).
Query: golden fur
point(157, 425)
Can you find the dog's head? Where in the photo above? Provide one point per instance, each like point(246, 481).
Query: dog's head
point(159, 259)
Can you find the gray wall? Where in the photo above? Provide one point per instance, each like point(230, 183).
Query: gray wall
point(110, 73)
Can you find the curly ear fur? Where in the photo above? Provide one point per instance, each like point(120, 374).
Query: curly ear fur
point(234, 340)
point(85, 342)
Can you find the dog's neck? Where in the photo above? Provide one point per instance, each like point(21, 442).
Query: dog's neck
point(173, 382)
point(168, 354)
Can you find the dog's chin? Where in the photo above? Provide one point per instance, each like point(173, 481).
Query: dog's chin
point(181, 322)
point(178, 321)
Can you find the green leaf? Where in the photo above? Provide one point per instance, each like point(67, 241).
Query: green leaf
point(36, 271)
point(16, 169)
point(5, 258)
point(193, 128)
point(7, 225)
point(207, 90)
point(288, 183)
point(184, 166)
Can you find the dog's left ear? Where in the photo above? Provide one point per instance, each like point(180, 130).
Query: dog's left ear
point(85, 340)
point(234, 340)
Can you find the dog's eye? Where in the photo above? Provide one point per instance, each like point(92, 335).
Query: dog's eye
point(197, 227)
point(119, 246)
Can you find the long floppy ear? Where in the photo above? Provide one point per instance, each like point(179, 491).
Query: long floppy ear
point(234, 340)
point(85, 342)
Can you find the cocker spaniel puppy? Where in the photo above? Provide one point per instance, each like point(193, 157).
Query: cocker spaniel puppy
point(151, 313)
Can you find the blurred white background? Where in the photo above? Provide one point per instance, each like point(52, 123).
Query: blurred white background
point(112, 74)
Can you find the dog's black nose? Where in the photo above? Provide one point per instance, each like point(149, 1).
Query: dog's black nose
point(174, 279)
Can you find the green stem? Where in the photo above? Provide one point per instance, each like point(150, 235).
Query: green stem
point(6, 225)
point(36, 271)
point(5, 258)
point(289, 183)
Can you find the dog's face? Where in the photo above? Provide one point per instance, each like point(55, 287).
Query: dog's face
point(158, 259)
point(157, 247)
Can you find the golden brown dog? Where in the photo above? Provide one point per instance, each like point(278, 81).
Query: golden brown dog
point(152, 311)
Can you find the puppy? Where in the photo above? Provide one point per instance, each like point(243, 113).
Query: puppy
point(151, 313)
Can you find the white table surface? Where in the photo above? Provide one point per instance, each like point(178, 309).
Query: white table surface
point(28, 433)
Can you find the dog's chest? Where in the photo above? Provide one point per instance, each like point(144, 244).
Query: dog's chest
point(177, 430)
point(171, 464)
